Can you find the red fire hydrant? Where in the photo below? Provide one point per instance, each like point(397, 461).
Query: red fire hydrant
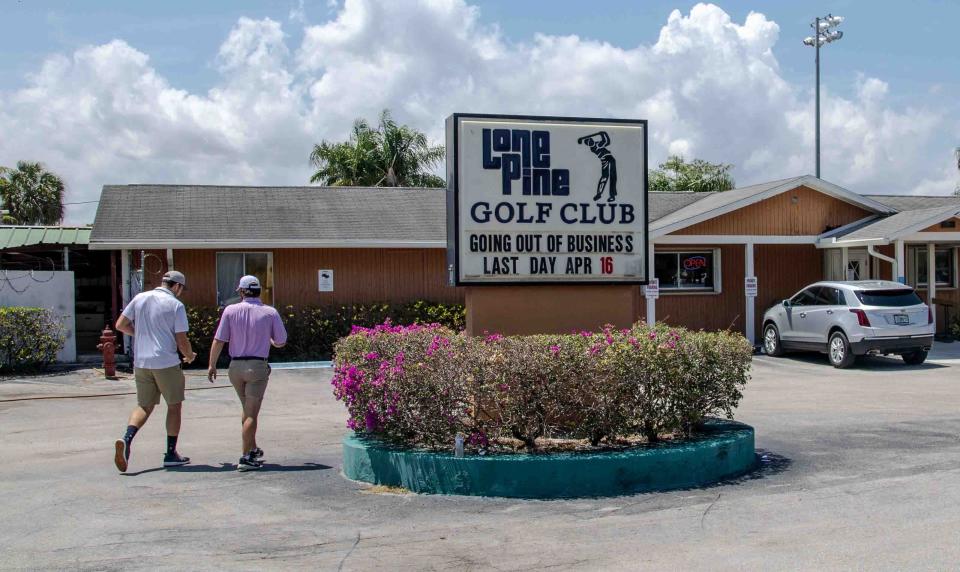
point(108, 347)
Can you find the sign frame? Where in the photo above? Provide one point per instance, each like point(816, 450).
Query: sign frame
point(324, 282)
point(453, 201)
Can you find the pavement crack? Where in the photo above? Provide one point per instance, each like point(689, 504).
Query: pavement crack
point(349, 552)
point(704, 515)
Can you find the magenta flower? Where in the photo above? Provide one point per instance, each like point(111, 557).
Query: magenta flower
point(555, 349)
point(372, 356)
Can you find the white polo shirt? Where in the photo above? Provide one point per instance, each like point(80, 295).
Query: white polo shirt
point(157, 316)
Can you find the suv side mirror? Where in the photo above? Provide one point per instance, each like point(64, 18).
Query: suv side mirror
point(786, 303)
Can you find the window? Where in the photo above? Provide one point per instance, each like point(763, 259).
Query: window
point(807, 297)
point(232, 265)
point(686, 270)
point(889, 298)
point(943, 270)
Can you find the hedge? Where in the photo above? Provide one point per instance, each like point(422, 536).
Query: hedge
point(421, 386)
point(29, 338)
point(312, 331)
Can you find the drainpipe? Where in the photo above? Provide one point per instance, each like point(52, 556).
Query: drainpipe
point(901, 262)
point(871, 250)
point(932, 281)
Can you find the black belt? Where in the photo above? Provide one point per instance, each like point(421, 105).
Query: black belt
point(248, 358)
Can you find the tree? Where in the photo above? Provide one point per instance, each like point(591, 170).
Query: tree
point(391, 155)
point(31, 194)
point(699, 176)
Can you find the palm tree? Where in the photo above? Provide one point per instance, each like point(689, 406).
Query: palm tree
point(31, 194)
point(391, 155)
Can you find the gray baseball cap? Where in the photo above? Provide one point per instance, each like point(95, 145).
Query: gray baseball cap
point(176, 277)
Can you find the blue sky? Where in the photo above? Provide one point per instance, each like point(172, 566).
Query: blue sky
point(307, 70)
point(182, 37)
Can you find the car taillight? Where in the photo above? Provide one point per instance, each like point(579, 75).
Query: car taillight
point(862, 318)
point(929, 315)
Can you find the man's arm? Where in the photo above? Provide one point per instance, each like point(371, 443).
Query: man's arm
point(215, 350)
point(124, 325)
point(183, 344)
point(278, 337)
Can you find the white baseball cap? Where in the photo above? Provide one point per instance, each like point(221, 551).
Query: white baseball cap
point(248, 282)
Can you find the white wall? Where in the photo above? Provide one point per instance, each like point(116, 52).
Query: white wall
point(44, 289)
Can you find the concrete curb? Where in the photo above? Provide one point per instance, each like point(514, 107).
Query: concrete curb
point(724, 450)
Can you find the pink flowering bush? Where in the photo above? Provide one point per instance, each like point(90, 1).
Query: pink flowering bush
point(422, 385)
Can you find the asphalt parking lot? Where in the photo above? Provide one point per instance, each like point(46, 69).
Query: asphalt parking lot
point(860, 469)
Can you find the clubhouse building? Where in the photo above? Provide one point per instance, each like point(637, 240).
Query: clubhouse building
point(321, 246)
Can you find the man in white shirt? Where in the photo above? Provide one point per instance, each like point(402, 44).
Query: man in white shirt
point(157, 321)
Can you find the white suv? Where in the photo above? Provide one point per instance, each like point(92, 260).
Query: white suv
point(850, 319)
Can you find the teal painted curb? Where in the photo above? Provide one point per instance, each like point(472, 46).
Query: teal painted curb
point(725, 449)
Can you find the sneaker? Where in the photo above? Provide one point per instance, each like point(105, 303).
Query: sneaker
point(256, 454)
point(174, 460)
point(246, 463)
point(122, 455)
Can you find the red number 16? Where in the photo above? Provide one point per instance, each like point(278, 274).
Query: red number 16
point(606, 265)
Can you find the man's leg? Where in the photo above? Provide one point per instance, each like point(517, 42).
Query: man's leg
point(251, 409)
point(174, 416)
point(172, 384)
point(148, 395)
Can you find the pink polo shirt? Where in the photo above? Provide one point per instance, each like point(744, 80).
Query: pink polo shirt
point(248, 326)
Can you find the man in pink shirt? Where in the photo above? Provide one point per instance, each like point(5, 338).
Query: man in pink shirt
point(250, 327)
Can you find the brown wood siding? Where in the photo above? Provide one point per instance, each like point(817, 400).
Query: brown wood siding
point(359, 275)
point(811, 213)
point(781, 271)
point(938, 228)
point(707, 311)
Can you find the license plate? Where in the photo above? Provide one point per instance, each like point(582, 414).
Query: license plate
point(901, 319)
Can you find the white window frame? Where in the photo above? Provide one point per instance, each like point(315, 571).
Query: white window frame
point(717, 271)
point(921, 251)
point(270, 272)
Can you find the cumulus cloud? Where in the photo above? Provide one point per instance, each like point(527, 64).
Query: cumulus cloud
point(710, 86)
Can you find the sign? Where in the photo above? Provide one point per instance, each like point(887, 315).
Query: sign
point(750, 286)
point(326, 280)
point(546, 200)
point(652, 290)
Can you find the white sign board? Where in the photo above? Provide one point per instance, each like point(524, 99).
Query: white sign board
point(326, 280)
point(750, 286)
point(546, 200)
point(652, 289)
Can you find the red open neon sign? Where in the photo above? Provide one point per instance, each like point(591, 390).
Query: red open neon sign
point(695, 263)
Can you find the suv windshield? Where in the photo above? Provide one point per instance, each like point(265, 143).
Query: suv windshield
point(898, 297)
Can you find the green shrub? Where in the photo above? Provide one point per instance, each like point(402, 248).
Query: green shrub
point(313, 331)
point(423, 385)
point(29, 338)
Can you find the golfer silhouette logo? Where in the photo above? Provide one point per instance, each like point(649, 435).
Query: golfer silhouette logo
point(598, 143)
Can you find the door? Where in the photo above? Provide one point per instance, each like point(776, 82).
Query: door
point(858, 264)
point(796, 329)
point(821, 315)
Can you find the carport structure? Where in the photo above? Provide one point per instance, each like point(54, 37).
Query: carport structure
point(912, 242)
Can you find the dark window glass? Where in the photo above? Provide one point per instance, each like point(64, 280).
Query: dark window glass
point(943, 270)
point(696, 270)
point(805, 298)
point(827, 296)
point(232, 265)
point(684, 270)
point(665, 269)
point(899, 297)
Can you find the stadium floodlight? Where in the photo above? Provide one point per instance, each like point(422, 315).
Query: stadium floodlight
point(824, 33)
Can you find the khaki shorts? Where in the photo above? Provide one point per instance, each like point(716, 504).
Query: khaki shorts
point(249, 377)
point(152, 383)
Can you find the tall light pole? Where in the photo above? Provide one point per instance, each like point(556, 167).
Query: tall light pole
point(825, 32)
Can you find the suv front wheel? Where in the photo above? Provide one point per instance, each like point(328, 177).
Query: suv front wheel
point(839, 352)
point(771, 341)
